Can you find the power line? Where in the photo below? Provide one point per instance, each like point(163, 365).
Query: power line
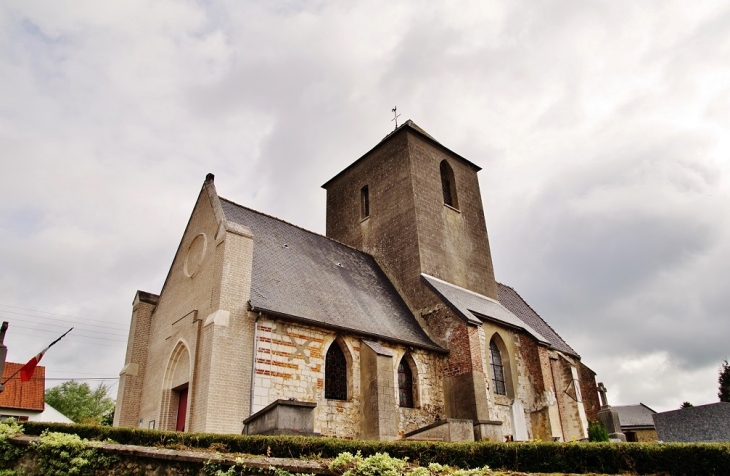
point(51, 313)
point(77, 334)
point(69, 371)
point(70, 340)
point(80, 323)
point(13, 320)
point(66, 378)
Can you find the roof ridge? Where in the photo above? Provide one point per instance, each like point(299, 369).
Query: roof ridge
point(537, 314)
point(295, 226)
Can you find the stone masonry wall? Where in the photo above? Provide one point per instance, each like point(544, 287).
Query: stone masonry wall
point(290, 364)
point(389, 233)
point(588, 389)
point(453, 244)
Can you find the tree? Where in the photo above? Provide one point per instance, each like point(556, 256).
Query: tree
point(81, 404)
point(686, 405)
point(724, 381)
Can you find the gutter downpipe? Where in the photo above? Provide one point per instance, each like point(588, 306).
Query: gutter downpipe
point(253, 363)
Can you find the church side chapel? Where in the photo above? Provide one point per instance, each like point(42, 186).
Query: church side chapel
point(392, 326)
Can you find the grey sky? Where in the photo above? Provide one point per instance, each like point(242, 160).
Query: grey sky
point(601, 127)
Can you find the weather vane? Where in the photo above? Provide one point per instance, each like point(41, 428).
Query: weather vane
point(395, 113)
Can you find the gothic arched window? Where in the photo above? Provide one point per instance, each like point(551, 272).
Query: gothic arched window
point(448, 185)
point(497, 369)
point(405, 384)
point(335, 374)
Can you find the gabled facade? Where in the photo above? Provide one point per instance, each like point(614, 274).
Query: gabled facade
point(392, 322)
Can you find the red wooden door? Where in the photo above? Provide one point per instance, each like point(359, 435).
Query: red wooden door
point(182, 409)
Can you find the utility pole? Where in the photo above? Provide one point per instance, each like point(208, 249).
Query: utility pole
point(3, 351)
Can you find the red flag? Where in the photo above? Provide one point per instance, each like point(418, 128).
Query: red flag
point(26, 371)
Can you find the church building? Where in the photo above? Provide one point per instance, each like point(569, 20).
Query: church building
point(391, 326)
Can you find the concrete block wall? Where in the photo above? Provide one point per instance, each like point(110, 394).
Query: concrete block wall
point(131, 378)
point(185, 299)
point(228, 331)
point(198, 327)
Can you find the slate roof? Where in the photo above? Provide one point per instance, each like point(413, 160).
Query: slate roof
point(514, 302)
point(695, 424)
point(311, 278)
point(474, 307)
point(20, 395)
point(635, 416)
point(511, 310)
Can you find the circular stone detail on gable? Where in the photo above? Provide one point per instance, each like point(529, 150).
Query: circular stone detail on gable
point(196, 255)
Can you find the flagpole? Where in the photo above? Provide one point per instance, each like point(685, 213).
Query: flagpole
point(43, 351)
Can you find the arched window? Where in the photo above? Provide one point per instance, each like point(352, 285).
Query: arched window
point(497, 369)
point(405, 384)
point(335, 374)
point(448, 185)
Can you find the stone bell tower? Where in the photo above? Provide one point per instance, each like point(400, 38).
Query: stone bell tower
point(416, 207)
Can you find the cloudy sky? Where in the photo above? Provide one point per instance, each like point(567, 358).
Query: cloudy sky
point(603, 131)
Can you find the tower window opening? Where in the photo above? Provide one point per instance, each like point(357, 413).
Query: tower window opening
point(365, 202)
point(497, 370)
point(448, 186)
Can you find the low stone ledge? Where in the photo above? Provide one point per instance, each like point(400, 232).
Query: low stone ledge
point(164, 456)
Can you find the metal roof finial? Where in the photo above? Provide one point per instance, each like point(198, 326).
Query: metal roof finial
point(395, 113)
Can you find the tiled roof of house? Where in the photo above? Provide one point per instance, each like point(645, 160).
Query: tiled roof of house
point(514, 302)
point(28, 395)
point(311, 278)
point(635, 416)
point(695, 424)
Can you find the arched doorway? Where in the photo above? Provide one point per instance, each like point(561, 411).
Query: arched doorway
point(175, 390)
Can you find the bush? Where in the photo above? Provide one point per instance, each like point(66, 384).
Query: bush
point(9, 452)
point(597, 431)
point(642, 458)
point(61, 454)
point(382, 464)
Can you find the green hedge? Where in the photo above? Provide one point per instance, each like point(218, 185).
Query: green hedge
point(641, 458)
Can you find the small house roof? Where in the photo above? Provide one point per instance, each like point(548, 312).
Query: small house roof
point(635, 416)
point(20, 395)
